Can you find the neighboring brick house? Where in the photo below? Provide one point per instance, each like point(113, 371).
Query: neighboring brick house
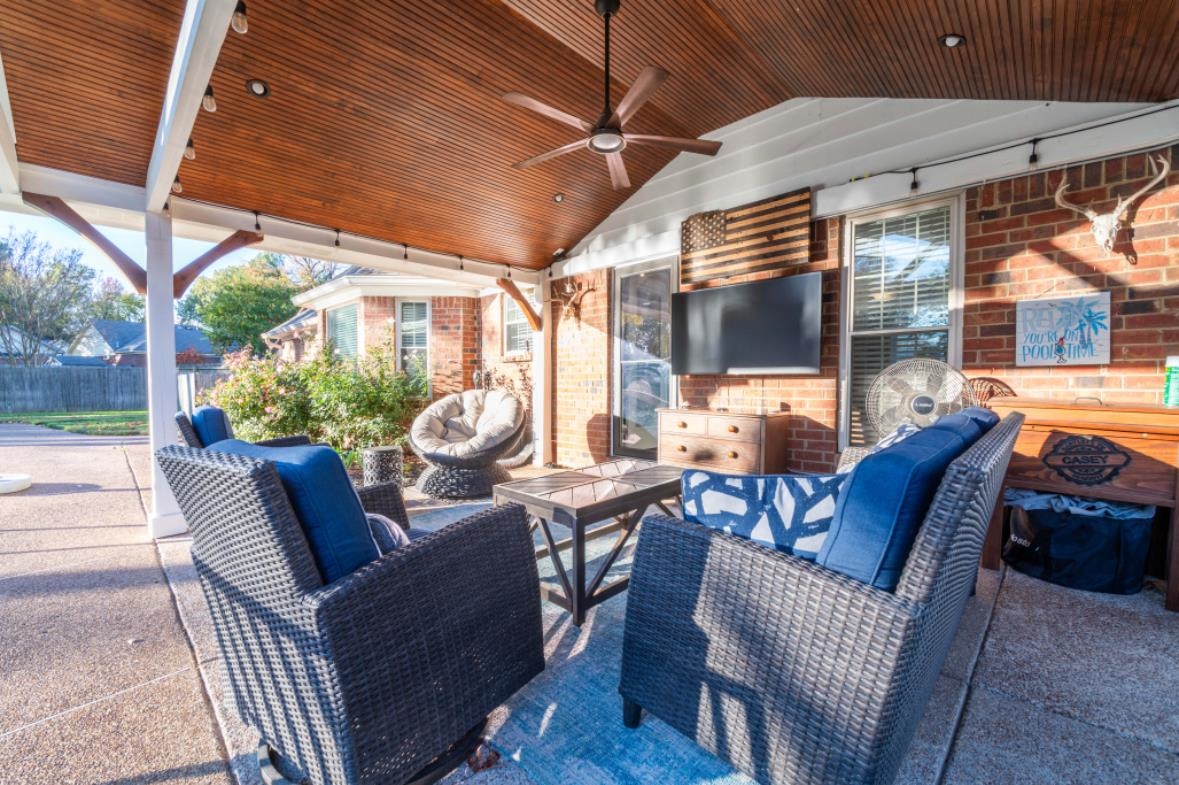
point(452, 330)
point(125, 344)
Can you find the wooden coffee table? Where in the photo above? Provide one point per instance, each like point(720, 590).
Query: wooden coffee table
point(615, 494)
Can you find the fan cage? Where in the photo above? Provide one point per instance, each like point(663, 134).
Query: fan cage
point(917, 391)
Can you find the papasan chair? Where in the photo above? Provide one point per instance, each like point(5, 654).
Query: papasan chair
point(461, 437)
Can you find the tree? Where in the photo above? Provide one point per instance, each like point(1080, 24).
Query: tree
point(111, 302)
point(44, 296)
point(304, 272)
point(236, 305)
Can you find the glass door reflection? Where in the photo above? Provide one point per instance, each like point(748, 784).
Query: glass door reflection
point(643, 364)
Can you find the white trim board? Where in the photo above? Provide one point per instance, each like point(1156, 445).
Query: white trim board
point(202, 32)
point(9, 166)
point(824, 143)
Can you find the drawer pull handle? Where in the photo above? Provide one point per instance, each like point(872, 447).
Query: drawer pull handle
point(681, 424)
point(732, 453)
point(733, 429)
point(681, 448)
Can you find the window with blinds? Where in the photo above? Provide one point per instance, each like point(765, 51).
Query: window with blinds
point(341, 330)
point(517, 331)
point(413, 332)
point(901, 289)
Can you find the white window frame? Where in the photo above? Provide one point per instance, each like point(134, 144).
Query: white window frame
point(329, 338)
point(633, 268)
point(957, 205)
point(397, 302)
point(503, 317)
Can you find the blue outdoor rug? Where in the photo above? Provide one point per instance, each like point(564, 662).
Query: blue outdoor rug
point(565, 727)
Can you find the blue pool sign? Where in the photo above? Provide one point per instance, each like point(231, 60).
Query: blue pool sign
point(1063, 330)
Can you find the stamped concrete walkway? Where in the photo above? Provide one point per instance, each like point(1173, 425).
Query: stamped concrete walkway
point(98, 683)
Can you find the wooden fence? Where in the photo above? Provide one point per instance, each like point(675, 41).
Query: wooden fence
point(88, 389)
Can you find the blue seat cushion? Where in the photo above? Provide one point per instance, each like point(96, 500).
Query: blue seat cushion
point(882, 505)
point(985, 419)
point(790, 513)
point(211, 425)
point(324, 501)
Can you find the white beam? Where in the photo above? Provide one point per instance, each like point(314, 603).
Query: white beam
point(201, 34)
point(542, 379)
point(319, 242)
point(9, 168)
point(165, 519)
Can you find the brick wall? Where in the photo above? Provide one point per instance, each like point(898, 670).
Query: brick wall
point(1020, 245)
point(377, 322)
point(811, 400)
point(582, 376)
point(454, 343)
point(512, 373)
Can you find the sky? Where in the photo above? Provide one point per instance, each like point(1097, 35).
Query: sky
point(130, 242)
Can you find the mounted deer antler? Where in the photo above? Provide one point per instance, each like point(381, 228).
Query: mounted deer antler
point(1105, 226)
point(571, 295)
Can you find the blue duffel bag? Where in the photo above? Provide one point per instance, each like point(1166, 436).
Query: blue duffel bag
point(1077, 542)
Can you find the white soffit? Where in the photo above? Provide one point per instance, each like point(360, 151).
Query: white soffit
point(826, 143)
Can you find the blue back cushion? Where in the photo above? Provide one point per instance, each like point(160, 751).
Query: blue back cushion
point(324, 501)
point(883, 504)
point(211, 425)
point(791, 513)
point(985, 419)
point(960, 425)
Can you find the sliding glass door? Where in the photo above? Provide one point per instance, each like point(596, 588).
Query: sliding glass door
point(642, 356)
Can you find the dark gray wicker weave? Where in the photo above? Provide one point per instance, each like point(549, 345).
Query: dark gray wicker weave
point(368, 679)
point(188, 435)
point(792, 673)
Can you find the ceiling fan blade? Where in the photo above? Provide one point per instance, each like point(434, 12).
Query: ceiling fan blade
point(519, 99)
point(648, 82)
point(701, 146)
point(580, 143)
point(617, 171)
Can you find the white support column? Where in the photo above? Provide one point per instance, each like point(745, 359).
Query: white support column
point(9, 168)
point(165, 518)
point(542, 376)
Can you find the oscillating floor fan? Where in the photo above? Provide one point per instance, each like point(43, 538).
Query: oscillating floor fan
point(916, 391)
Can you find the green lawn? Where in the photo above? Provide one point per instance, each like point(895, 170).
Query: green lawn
point(91, 423)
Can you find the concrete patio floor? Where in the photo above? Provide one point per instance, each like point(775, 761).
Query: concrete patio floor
point(100, 683)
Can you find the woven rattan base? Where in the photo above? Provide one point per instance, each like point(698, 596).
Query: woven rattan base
point(449, 482)
point(444, 764)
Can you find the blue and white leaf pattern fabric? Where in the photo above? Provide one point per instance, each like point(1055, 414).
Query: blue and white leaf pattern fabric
point(896, 435)
point(791, 513)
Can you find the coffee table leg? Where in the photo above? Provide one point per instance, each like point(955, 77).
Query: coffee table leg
point(577, 599)
point(555, 556)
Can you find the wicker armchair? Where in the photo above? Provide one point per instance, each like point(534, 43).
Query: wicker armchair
point(188, 435)
point(375, 676)
point(791, 672)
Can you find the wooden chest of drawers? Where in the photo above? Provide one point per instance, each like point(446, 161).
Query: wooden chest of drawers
point(723, 441)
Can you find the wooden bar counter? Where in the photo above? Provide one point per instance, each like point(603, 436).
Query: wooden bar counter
point(1111, 452)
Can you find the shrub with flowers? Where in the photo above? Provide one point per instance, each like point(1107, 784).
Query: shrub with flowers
point(349, 404)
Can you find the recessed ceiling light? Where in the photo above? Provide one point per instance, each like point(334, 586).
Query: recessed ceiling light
point(257, 88)
point(558, 197)
point(952, 40)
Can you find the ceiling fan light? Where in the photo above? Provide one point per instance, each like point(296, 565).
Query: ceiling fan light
point(606, 140)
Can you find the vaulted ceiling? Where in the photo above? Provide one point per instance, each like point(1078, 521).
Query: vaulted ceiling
point(387, 120)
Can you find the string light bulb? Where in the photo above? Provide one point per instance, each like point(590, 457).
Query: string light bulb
point(189, 150)
point(337, 238)
point(257, 222)
point(239, 22)
point(208, 101)
point(1034, 158)
point(176, 186)
point(913, 184)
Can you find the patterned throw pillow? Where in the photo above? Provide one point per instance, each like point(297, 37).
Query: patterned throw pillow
point(791, 513)
point(386, 534)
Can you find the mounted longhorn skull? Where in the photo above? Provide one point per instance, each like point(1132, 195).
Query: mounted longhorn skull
point(571, 294)
point(1105, 226)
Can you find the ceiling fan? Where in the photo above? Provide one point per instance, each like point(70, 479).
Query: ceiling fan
point(606, 136)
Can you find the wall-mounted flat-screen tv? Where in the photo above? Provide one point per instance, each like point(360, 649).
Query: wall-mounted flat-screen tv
point(766, 327)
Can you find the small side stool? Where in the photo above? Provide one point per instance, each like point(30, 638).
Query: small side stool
point(382, 464)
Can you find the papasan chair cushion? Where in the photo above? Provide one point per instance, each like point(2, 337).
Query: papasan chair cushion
point(467, 429)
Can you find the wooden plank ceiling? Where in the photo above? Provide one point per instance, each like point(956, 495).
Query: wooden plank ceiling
point(387, 120)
